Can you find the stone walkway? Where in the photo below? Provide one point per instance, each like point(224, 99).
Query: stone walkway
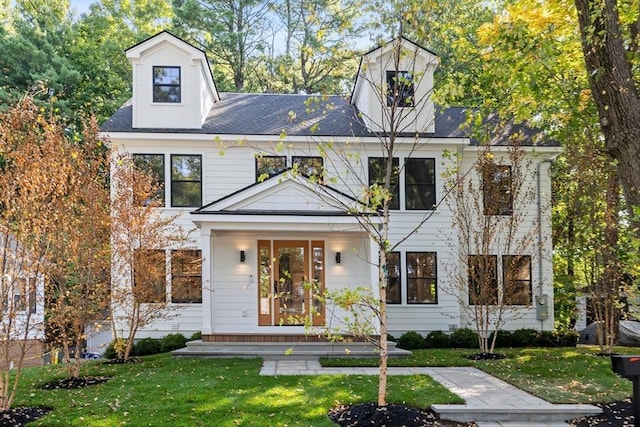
point(489, 402)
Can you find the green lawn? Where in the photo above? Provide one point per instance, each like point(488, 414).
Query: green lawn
point(559, 375)
point(229, 392)
point(203, 392)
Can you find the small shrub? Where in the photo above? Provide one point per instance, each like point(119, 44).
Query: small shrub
point(568, 338)
point(110, 351)
point(437, 339)
point(196, 336)
point(504, 339)
point(464, 338)
point(391, 338)
point(411, 340)
point(526, 337)
point(173, 342)
point(146, 347)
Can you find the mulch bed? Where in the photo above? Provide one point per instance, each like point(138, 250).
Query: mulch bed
point(21, 415)
point(70, 383)
point(486, 356)
point(615, 414)
point(392, 415)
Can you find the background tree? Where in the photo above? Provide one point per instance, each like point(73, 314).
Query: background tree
point(230, 31)
point(610, 53)
point(140, 234)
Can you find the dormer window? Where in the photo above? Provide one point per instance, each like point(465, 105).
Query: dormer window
point(400, 89)
point(166, 84)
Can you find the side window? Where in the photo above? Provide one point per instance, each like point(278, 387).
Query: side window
point(149, 276)
point(166, 84)
point(422, 278)
point(400, 90)
point(516, 274)
point(311, 167)
point(420, 184)
point(152, 164)
point(377, 169)
point(496, 190)
point(186, 180)
point(186, 276)
point(482, 271)
point(394, 293)
point(269, 166)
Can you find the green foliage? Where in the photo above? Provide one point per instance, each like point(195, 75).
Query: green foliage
point(411, 340)
point(437, 339)
point(464, 338)
point(146, 347)
point(173, 342)
point(504, 339)
point(196, 336)
point(110, 351)
point(525, 337)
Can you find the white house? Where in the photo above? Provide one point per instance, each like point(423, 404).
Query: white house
point(262, 231)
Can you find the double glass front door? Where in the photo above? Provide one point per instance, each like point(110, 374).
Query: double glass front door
point(291, 282)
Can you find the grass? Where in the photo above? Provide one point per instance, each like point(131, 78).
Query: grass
point(558, 375)
point(203, 392)
point(229, 392)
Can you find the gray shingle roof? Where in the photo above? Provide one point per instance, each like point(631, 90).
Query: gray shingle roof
point(302, 115)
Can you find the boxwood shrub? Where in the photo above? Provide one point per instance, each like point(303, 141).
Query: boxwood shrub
point(437, 339)
point(173, 342)
point(411, 340)
point(464, 338)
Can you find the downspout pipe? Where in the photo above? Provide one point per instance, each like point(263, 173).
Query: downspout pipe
point(539, 201)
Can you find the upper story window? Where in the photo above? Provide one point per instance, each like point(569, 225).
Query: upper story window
point(496, 190)
point(400, 90)
point(269, 166)
point(377, 171)
point(394, 292)
point(166, 84)
point(309, 166)
point(420, 184)
point(186, 180)
point(154, 165)
point(422, 278)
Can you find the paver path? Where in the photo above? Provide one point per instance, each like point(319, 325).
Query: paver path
point(489, 402)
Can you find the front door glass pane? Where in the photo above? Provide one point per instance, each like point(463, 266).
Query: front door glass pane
point(291, 291)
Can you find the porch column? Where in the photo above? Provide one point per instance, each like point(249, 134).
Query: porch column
point(207, 282)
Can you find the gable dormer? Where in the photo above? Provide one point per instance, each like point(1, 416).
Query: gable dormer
point(172, 83)
point(405, 69)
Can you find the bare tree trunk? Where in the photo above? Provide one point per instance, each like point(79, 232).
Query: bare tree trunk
point(613, 89)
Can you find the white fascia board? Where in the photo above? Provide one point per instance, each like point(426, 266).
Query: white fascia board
point(343, 224)
point(547, 151)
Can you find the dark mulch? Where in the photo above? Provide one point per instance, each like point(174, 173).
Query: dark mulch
point(614, 414)
point(122, 361)
point(21, 415)
point(69, 383)
point(486, 356)
point(392, 415)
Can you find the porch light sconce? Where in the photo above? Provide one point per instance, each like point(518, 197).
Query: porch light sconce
point(338, 258)
point(243, 257)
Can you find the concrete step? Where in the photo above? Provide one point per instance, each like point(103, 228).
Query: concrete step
point(535, 414)
point(285, 350)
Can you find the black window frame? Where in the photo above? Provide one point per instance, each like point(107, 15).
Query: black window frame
point(142, 161)
point(160, 87)
point(415, 272)
point(516, 288)
point(425, 189)
point(394, 278)
point(185, 278)
point(160, 285)
point(474, 271)
point(273, 170)
point(497, 194)
point(376, 176)
point(400, 82)
point(176, 184)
